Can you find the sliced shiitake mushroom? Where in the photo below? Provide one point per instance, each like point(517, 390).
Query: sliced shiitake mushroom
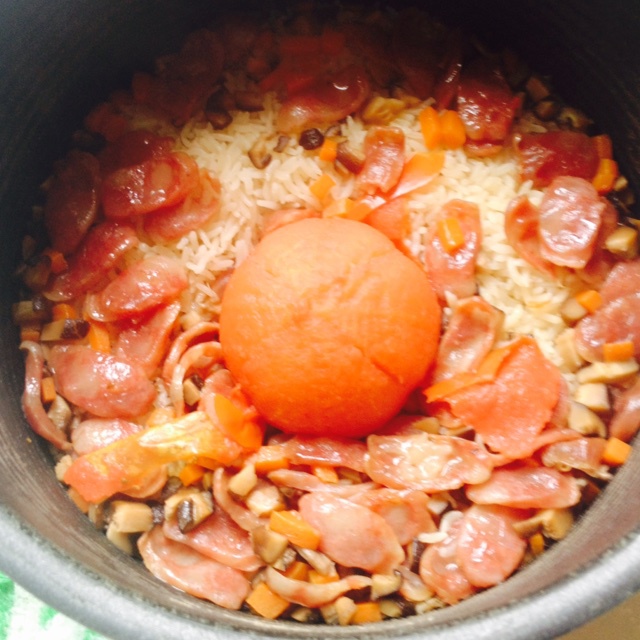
point(553, 523)
point(65, 329)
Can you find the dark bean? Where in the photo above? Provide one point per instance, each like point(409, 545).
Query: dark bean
point(311, 139)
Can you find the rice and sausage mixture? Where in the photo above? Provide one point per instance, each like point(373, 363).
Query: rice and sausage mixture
point(335, 319)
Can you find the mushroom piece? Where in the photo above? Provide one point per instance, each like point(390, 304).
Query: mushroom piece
point(553, 523)
point(268, 544)
point(610, 372)
point(382, 111)
point(190, 506)
point(585, 421)
point(244, 481)
point(131, 517)
point(567, 350)
point(593, 395)
point(383, 584)
point(312, 595)
point(65, 329)
point(319, 561)
point(259, 153)
point(623, 242)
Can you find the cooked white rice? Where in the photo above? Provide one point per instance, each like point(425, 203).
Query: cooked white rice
point(530, 300)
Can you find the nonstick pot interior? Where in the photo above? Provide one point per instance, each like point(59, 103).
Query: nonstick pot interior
point(57, 59)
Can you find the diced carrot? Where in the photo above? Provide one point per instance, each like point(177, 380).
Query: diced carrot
point(338, 208)
point(419, 171)
point(487, 372)
point(326, 474)
point(604, 146)
point(332, 42)
point(590, 299)
point(266, 603)
point(297, 531)
point(536, 543)
point(298, 570)
point(270, 458)
point(191, 473)
point(366, 612)
point(321, 187)
point(63, 311)
point(431, 127)
point(48, 390)
point(235, 424)
point(316, 577)
point(99, 339)
point(605, 176)
point(618, 351)
point(615, 452)
point(30, 332)
point(328, 150)
point(453, 131)
point(58, 261)
point(450, 234)
point(360, 210)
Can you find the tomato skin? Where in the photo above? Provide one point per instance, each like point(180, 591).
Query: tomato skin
point(148, 186)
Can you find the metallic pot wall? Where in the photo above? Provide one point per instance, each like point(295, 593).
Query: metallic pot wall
point(56, 60)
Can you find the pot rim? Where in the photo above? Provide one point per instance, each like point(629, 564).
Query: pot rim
point(567, 604)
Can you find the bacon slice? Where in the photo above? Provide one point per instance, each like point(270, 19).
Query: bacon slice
point(454, 272)
point(332, 452)
point(147, 342)
point(617, 321)
point(199, 206)
point(571, 213)
point(522, 225)
point(489, 550)
point(190, 571)
point(626, 413)
point(72, 200)
point(384, 160)
point(406, 512)
point(352, 535)
point(584, 454)
point(219, 538)
point(89, 265)
point(486, 105)
point(328, 100)
point(100, 383)
point(440, 571)
point(426, 462)
point(146, 285)
point(527, 488)
point(471, 333)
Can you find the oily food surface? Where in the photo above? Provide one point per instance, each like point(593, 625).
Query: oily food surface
point(328, 328)
point(361, 213)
